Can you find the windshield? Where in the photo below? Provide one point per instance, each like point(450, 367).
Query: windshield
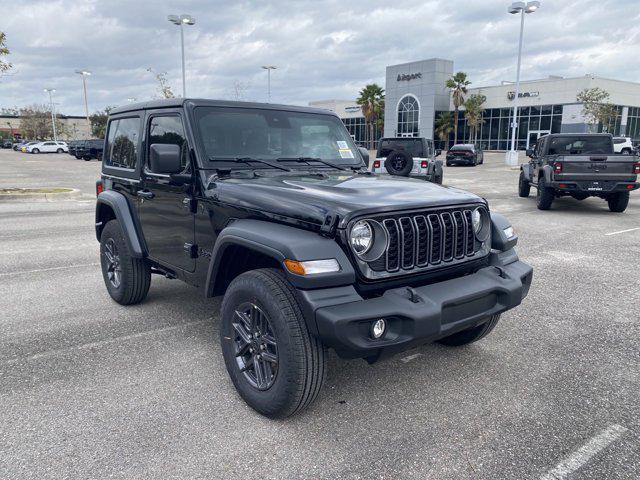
point(228, 133)
point(580, 145)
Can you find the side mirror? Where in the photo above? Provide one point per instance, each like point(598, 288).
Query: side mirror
point(365, 155)
point(438, 152)
point(531, 153)
point(164, 158)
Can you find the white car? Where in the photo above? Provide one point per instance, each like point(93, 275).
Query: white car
point(622, 145)
point(48, 147)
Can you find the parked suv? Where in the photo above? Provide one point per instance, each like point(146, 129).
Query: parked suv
point(623, 145)
point(272, 206)
point(47, 147)
point(580, 166)
point(88, 149)
point(408, 157)
point(465, 154)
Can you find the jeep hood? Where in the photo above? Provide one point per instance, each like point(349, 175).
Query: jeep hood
point(311, 198)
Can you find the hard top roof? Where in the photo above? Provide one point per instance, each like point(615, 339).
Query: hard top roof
point(197, 102)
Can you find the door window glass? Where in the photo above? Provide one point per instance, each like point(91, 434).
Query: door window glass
point(122, 143)
point(168, 130)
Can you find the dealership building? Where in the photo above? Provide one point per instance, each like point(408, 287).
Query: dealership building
point(416, 93)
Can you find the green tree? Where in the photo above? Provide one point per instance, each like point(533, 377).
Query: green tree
point(597, 109)
point(4, 51)
point(99, 122)
point(371, 101)
point(473, 112)
point(35, 122)
point(444, 126)
point(458, 84)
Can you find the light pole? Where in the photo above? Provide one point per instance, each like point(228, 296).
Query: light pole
point(268, 68)
point(53, 116)
point(85, 74)
point(181, 21)
point(518, 8)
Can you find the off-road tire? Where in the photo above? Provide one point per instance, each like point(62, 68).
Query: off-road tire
point(472, 334)
point(618, 202)
point(545, 196)
point(438, 179)
point(524, 187)
point(407, 165)
point(302, 358)
point(135, 276)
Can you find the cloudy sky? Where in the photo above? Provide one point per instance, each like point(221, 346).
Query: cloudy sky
point(323, 49)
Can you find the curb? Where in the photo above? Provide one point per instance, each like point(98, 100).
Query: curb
point(41, 197)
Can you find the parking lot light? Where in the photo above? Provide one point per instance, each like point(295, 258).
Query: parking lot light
point(515, 8)
point(181, 21)
point(85, 74)
point(53, 115)
point(268, 68)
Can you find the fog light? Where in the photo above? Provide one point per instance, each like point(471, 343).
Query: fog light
point(509, 232)
point(378, 328)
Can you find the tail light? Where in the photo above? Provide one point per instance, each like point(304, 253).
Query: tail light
point(424, 164)
point(376, 164)
point(99, 187)
point(557, 167)
point(636, 168)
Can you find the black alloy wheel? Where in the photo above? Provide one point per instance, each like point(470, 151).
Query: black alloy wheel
point(113, 265)
point(256, 349)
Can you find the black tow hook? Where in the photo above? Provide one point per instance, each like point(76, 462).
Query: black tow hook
point(413, 295)
point(501, 272)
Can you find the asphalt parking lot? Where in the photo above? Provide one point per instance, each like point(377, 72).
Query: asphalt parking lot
point(90, 389)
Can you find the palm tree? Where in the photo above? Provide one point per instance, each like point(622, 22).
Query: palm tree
point(473, 112)
point(371, 101)
point(458, 85)
point(443, 126)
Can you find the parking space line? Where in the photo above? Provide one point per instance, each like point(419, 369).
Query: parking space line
point(622, 231)
point(581, 456)
point(408, 358)
point(38, 270)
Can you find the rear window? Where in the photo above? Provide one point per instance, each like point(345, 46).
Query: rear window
point(618, 141)
point(580, 145)
point(122, 143)
point(411, 145)
point(461, 148)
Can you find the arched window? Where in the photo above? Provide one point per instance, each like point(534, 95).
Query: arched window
point(408, 114)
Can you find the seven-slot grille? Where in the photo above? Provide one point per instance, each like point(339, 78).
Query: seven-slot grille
point(427, 239)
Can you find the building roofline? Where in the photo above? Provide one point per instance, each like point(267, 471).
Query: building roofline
point(556, 79)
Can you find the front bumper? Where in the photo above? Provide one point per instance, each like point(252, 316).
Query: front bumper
point(343, 318)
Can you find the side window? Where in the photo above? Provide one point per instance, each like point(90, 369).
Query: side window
point(169, 130)
point(122, 143)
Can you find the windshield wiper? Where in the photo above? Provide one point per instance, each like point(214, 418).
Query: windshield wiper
point(248, 160)
point(310, 159)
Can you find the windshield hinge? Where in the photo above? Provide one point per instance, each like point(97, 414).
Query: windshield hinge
point(329, 225)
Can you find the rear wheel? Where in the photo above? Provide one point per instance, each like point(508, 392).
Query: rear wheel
point(59, 150)
point(276, 365)
point(524, 187)
point(35, 150)
point(127, 278)
point(545, 196)
point(618, 202)
point(472, 334)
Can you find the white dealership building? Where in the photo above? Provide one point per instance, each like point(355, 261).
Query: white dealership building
point(416, 93)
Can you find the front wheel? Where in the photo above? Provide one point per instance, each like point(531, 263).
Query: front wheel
point(472, 334)
point(618, 202)
point(275, 364)
point(59, 150)
point(545, 196)
point(35, 150)
point(524, 187)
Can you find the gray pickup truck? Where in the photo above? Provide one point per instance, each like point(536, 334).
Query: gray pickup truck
point(579, 166)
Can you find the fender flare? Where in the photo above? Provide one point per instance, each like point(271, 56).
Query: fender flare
point(499, 240)
point(547, 171)
point(118, 203)
point(526, 170)
point(282, 242)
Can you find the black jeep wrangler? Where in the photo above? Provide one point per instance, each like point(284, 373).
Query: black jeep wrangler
point(272, 207)
point(579, 166)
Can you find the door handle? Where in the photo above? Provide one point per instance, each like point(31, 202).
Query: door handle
point(145, 194)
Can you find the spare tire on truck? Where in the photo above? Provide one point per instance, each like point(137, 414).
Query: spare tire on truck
point(399, 162)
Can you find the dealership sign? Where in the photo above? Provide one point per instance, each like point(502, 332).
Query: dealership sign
point(408, 76)
point(352, 109)
point(512, 95)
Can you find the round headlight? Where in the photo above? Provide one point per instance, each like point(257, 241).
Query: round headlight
point(361, 238)
point(481, 224)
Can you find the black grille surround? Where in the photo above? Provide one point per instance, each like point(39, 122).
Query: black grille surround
point(420, 241)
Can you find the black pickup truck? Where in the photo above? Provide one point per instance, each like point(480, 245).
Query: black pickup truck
point(273, 207)
point(579, 166)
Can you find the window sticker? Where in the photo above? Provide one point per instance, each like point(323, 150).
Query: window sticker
point(346, 153)
point(342, 145)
